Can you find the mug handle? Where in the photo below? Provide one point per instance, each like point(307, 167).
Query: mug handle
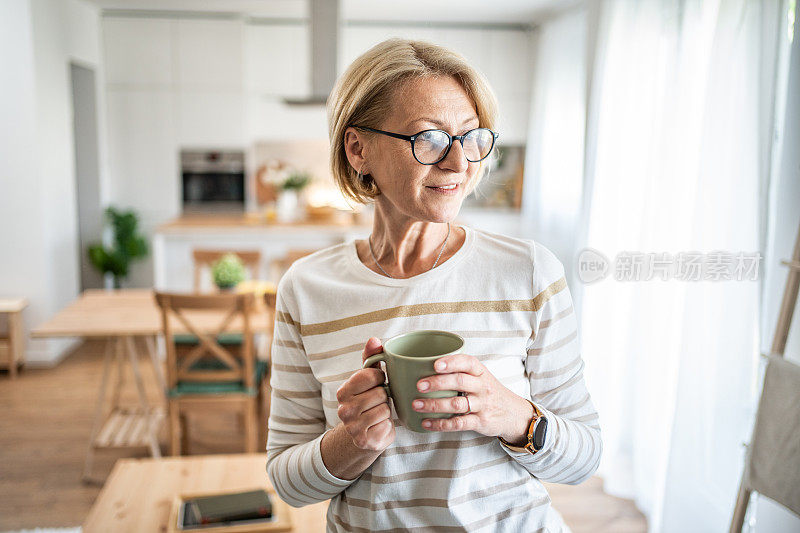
point(377, 358)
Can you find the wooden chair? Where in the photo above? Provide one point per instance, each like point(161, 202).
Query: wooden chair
point(213, 373)
point(204, 259)
point(270, 301)
point(278, 267)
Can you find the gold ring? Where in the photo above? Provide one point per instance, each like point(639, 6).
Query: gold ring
point(469, 408)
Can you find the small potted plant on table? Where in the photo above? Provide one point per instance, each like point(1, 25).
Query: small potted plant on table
point(228, 272)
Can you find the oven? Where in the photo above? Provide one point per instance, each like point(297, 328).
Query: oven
point(213, 181)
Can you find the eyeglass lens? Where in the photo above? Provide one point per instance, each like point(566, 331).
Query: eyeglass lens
point(430, 146)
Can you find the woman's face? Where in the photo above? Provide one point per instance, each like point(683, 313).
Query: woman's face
point(407, 186)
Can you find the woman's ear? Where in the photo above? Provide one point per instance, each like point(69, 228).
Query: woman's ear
point(355, 148)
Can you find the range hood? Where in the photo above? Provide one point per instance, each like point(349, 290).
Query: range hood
point(324, 33)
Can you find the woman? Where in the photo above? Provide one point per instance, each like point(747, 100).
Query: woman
point(393, 120)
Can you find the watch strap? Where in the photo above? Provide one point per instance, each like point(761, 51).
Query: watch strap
point(531, 427)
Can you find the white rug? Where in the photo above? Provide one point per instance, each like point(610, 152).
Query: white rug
point(49, 530)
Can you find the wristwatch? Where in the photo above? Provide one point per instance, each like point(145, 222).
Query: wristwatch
point(537, 433)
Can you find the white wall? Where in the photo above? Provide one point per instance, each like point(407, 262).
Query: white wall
point(38, 215)
point(20, 212)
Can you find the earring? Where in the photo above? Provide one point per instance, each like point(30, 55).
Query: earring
point(368, 182)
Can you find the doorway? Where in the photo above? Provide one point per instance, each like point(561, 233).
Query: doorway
point(87, 170)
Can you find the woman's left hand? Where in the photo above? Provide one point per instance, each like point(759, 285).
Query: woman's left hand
point(490, 408)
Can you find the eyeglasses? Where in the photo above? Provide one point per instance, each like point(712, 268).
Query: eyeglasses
point(432, 146)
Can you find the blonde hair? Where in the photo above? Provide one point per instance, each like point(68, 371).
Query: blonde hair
point(363, 95)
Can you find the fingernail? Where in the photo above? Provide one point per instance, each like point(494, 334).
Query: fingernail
point(418, 404)
point(440, 365)
point(426, 424)
point(423, 385)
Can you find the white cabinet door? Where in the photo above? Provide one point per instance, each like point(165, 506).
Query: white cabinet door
point(210, 54)
point(141, 145)
point(210, 118)
point(138, 51)
point(277, 61)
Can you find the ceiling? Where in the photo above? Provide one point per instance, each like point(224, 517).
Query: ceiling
point(453, 11)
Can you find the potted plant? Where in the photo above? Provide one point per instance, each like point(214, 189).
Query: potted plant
point(228, 272)
point(289, 197)
point(128, 245)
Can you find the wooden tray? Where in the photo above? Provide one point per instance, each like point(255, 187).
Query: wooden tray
point(280, 511)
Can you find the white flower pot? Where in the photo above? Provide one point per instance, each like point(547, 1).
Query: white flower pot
point(287, 206)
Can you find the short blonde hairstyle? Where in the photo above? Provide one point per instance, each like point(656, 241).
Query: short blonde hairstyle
point(363, 95)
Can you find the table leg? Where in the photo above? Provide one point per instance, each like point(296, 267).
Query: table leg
point(98, 412)
point(134, 358)
point(120, 383)
point(150, 344)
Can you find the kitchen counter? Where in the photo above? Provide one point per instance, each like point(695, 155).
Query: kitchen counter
point(197, 222)
point(174, 242)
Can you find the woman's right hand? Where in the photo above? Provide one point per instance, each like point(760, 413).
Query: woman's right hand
point(363, 405)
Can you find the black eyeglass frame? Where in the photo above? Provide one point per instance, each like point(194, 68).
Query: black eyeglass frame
point(460, 138)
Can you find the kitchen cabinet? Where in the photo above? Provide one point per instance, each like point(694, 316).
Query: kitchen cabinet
point(277, 60)
point(210, 118)
point(209, 102)
point(138, 51)
point(209, 54)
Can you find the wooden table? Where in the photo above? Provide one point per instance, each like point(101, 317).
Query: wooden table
point(139, 493)
point(99, 313)
point(124, 317)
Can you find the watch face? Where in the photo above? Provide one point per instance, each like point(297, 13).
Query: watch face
point(539, 433)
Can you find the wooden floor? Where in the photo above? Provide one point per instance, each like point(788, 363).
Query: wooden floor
point(47, 418)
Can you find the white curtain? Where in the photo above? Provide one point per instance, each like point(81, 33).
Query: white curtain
point(673, 166)
point(553, 184)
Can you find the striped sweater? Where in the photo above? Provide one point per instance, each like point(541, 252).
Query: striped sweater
point(509, 300)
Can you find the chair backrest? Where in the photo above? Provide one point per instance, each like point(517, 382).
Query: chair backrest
point(270, 303)
point(204, 259)
point(206, 317)
point(281, 265)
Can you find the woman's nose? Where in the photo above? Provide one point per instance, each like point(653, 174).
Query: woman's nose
point(455, 159)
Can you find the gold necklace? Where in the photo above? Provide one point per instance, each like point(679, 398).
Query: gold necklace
point(369, 240)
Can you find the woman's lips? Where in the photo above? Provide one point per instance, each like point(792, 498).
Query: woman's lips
point(446, 192)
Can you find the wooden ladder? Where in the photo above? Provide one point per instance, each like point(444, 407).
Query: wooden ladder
point(778, 346)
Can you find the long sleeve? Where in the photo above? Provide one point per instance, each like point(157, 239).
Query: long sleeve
point(297, 419)
point(554, 368)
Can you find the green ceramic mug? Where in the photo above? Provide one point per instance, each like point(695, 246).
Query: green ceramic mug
point(409, 357)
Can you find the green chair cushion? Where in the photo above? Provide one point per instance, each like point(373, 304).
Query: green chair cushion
point(218, 387)
point(230, 339)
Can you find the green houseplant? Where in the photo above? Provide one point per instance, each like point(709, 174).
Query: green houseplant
point(228, 271)
point(128, 245)
point(296, 181)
